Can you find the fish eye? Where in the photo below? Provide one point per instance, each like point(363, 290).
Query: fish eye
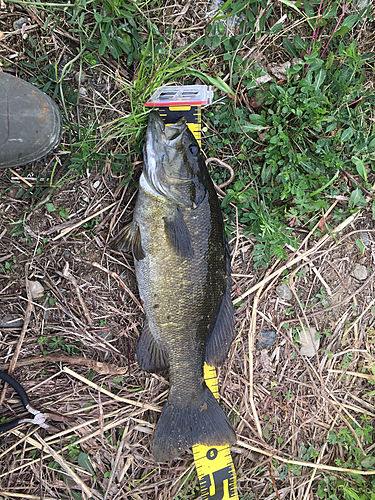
point(194, 150)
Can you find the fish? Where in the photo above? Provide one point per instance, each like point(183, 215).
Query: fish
point(182, 266)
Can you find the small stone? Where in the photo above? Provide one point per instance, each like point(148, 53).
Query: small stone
point(83, 77)
point(266, 338)
point(365, 239)
point(36, 289)
point(96, 184)
point(11, 321)
point(105, 334)
point(360, 272)
point(284, 292)
point(362, 4)
point(82, 92)
point(310, 343)
point(17, 25)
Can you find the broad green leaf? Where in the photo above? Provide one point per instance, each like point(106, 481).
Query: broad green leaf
point(357, 198)
point(250, 127)
point(75, 494)
point(308, 9)
point(330, 11)
point(102, 46)
point(350, 21)
point(320, 77)
point(342, 31)
point(84, 462)
point(352, 494)
point(50, 207)
point(262, 23)
point(127, 40)
point(288, 46)
point(347, 134)
point(361, 246)
point(361, 169)
point(295, 7)
point(299, 44)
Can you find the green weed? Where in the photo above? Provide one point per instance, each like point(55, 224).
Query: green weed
point(306, 140)
point(351, 486)
point(57, 342)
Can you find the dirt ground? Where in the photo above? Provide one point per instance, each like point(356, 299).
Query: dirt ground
point(73, 346)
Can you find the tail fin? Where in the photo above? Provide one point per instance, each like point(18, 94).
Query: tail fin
point(180, 428)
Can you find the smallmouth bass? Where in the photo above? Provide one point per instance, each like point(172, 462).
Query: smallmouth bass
point(182, 265)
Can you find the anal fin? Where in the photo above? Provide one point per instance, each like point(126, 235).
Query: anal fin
point(151, 355)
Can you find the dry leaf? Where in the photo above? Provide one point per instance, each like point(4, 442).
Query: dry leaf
point(279, 70)
point(309, 340)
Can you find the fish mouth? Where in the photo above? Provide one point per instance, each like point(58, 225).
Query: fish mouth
point(164, 145)
point(170, 134)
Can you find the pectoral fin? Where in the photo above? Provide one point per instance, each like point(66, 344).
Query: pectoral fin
point(151, 355)
point(178, 234)
point(129, 238)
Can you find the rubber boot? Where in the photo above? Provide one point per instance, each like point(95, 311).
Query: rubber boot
point(30, 122)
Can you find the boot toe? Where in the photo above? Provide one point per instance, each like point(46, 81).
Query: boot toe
point(30, 122)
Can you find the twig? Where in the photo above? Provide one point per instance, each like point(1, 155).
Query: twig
point(313, 268)
point(305, 464)
point(114, 276)
point(20, 177)
point(117, 459)
point(110, 394)
point(17, 350)
point(289, 264)
point(226, 183)
point(19, 31)
point(345, 301)
point(321, 453)
point(72, 279)
point(362, 314)
point(251, 337)
point(78, 224)
point(23, 496)
point(99, 367)
point(273, 481)
point(354, 374)
point(58, 458)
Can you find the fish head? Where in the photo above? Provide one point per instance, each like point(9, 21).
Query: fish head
point(173, 163)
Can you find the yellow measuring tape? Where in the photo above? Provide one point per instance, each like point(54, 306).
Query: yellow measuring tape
point(215, 469)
